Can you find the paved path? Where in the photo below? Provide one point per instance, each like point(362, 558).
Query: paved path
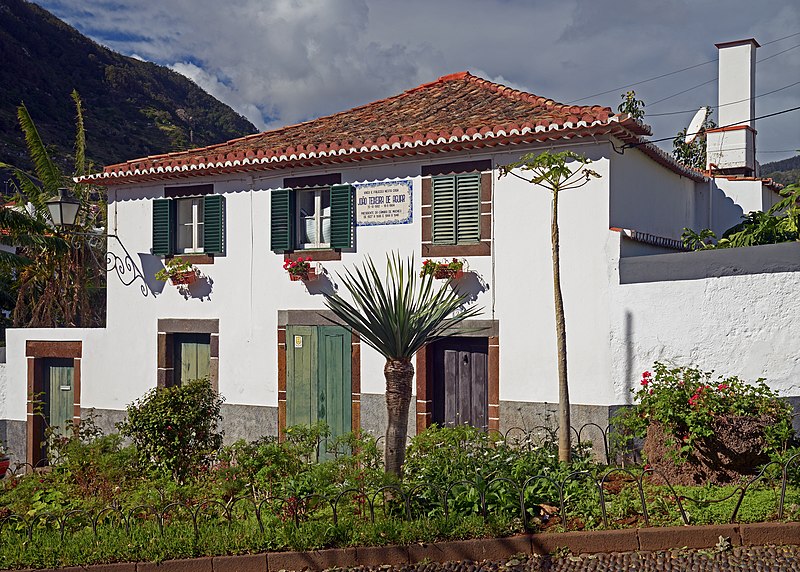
point(745, 559)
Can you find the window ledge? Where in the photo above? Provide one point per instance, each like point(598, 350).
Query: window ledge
point(483, 248)
point(197, 258)
point(317, 255)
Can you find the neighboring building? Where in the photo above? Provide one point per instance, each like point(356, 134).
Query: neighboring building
point(416, 173)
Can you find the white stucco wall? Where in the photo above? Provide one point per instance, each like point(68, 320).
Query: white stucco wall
point(732, 323)
point(613, 330)
point(648, 197)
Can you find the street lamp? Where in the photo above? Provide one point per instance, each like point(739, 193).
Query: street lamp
point(63, 208)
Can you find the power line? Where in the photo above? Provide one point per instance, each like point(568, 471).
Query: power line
point(682, 92)
point(783, 38)
point(685, 69)
point(631, 145)
point(640, 82)
point(724, 104)
point(779, 53)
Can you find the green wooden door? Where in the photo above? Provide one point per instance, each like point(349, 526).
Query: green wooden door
point(192, 357)
point(318, 379)
point(60, 396)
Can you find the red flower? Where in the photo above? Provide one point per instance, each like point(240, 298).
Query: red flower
point(646, 374)
point(722, 386)
point(651, 392)
point(645, 381)
point(299, 259)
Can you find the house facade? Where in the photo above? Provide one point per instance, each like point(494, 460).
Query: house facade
point(415, 174)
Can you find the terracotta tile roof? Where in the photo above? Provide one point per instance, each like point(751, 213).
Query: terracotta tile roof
point(652, 239)
point(769, 183)
point(458, 111)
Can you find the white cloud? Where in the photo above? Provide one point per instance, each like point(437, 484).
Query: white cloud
point(283, 61)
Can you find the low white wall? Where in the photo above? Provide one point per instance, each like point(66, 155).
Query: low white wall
point(732, 311)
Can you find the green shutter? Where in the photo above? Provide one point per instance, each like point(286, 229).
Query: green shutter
point(163, 227)
point(282, 220)
point(342, 216)
point(214, 224)
point(468, 208)
point(444, 210)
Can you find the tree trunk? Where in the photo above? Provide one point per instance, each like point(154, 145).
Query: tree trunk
point(561, 343)
point(399, 374)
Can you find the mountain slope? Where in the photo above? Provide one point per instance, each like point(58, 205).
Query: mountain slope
point(132, 108)
point(785, 172)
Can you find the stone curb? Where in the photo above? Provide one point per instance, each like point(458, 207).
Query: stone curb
point(495, 549)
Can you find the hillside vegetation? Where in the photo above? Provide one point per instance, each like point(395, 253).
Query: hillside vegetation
point(133, 108)
point(786, 172)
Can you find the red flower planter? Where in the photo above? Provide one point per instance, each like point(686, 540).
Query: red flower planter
point(5, 462)
point(309, 276)
point(183, 278)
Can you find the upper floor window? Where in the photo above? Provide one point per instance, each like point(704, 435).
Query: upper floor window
point(190, 220)
point(457, 209)
point(318, 215)
point(313, 218)
point(190, 225)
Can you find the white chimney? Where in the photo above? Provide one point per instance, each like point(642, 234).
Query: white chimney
point(731, 147)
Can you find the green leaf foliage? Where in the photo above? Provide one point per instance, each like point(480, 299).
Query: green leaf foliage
point(176, 429)
point(781, 223)
point(400, 312)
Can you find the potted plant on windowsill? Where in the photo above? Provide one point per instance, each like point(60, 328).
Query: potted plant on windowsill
point(447, 270)
point(178, 271)
point(300, 269)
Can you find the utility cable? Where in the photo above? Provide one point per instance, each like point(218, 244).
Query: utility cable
point(685, 69)
point(632, 145)
point(724, 104)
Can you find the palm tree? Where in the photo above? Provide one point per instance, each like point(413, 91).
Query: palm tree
point(55, 278)
point(397, 316)
point(552, 172)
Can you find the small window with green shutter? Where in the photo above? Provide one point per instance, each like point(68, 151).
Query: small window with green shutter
point(189, 225)
point(316, 218)
point(456, 209)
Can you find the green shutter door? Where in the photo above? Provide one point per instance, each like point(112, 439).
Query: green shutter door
point(282, 220)
point(213, 224)
point(301, 375)
point(59, 380)
point(468, 208)
point(335, 385)
point(163, 227)
point(342, 216)
point(444, 210)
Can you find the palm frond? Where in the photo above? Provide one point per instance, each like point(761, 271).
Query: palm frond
point(46, 170)
point(399, 313)
point(80, 136)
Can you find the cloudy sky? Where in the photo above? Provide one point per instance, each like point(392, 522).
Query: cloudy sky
point(282, 61)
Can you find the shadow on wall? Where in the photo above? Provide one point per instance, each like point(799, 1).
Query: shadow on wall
point(725, 213)
point(150, 265)
point(471, 284)
point(627, 384)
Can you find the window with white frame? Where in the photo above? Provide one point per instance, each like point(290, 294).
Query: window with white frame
point(190, 225)
point(313, 218)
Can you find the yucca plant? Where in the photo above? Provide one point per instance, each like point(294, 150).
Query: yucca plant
point(397, 314)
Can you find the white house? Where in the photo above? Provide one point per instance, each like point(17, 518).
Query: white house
point(416, 173)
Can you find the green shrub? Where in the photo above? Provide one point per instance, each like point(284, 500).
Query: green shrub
point(687, 401)
point(175, 429)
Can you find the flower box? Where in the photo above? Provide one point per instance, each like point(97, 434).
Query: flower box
point(309, 276)
point(447, 270)
point(183, 278)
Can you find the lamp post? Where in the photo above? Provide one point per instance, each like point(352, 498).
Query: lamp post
point(63, 208)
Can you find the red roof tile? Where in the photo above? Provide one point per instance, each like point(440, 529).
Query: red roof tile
point(457, 111)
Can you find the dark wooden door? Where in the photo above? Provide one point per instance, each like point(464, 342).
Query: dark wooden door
point(460, 381)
